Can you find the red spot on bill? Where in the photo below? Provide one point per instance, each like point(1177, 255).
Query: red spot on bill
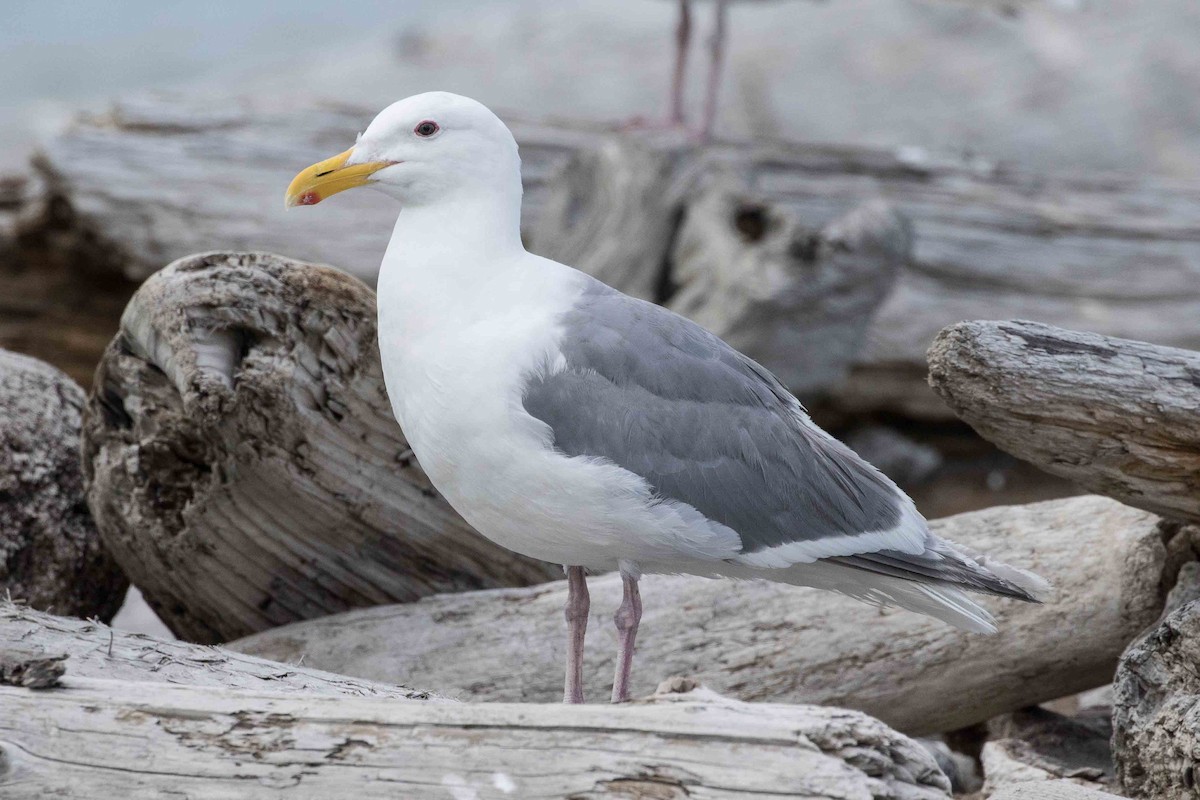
point(309, 198)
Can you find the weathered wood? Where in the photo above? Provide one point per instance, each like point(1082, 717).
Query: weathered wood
point(798, 298)
point(1111, 253)
point(1051, 790)
point(614, 208)
point(51, 555)
point(94, 650)
point(763, 641)
point(1117, 417)
point(244, 465)
point(1156, 701)
point(92, 739)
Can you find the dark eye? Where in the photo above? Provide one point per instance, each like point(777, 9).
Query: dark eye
point(426, 128)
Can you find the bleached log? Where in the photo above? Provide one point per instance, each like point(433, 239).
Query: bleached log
point(223, 724)
point(764, 641)
point(51, 555)
point(1115, 416)
point(1156, 701)
point(244, 465)
point(1111, 253)
point(94, 650)
point(103, 738)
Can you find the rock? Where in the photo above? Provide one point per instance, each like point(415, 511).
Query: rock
point(1156, 709)
point(51, 556)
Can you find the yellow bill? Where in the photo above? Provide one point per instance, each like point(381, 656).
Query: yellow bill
point(329, 177)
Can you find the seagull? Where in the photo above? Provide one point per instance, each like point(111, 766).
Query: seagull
point(574, 424)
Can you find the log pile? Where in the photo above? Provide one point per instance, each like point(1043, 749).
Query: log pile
point(242, 466)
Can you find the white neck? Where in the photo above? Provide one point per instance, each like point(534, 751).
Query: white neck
point(444, 255)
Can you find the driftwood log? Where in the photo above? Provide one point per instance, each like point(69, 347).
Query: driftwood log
point(763, 641)
point(1116, 254)
point(51, 555)
point(1117, 417)
point(244, 465)
point(94, 650)
point(225, 725)
point(1156, 705)
point(92, 739)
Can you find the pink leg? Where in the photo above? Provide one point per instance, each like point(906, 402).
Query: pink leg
point(716, 60)
point(578, 603)
point(683, 35)
point(627, 618)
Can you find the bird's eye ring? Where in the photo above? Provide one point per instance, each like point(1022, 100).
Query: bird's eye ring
point(426, 128)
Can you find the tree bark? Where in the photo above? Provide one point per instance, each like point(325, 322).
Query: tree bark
point(1117, 417)
point(1111, 253)
point(91, 739)
point(51, 555)
point(244, 465)
point(764, 641)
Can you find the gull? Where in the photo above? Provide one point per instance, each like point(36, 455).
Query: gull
point(574, 424)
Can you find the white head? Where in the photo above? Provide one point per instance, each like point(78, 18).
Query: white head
point(425, 149)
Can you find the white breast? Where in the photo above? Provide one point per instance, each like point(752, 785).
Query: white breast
point(455, 373)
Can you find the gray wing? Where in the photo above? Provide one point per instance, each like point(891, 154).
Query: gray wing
point(703, 424)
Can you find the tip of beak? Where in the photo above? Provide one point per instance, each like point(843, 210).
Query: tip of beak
point(309, 198)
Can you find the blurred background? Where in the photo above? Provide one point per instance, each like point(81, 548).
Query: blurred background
point(1047, 83)
point(1083, 88)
